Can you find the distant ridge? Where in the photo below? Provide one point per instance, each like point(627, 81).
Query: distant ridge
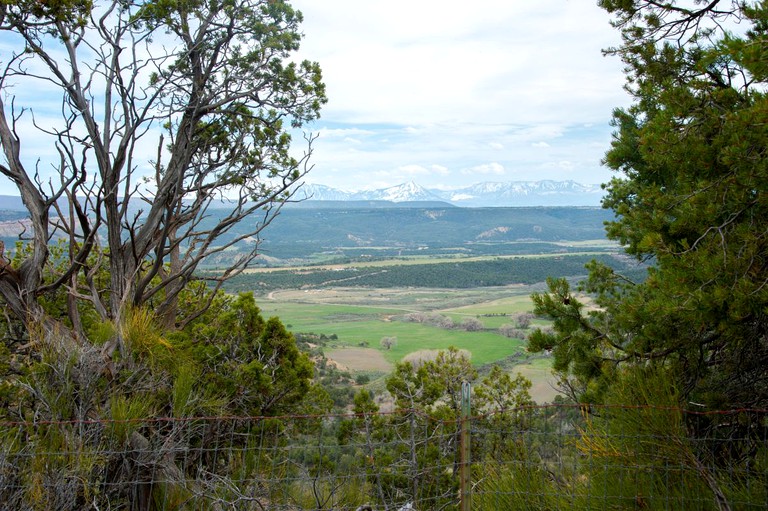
point(352, 204)
point(544, 193)
point(486, 194)
point(11, 203)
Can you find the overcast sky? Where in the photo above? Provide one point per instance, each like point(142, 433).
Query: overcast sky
point(444, 93)
point(448, 93)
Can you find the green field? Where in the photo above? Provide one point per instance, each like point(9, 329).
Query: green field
point(365, 326)
point(539, 371)
point(354, 318)
point(515, 303)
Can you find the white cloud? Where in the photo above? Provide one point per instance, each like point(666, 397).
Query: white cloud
point(493, 168)
point(434, 90)
point(413, 170)
point(434, 60)
point(420, 170)
point(565, 165)
point(343, 132)
point(439, 170)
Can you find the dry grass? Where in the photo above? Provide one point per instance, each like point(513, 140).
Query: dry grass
point(541, 377)
point(360, 359)
point(419, 357)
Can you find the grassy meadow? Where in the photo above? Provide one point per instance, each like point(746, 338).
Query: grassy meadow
point(354, 320)
point(360, 326)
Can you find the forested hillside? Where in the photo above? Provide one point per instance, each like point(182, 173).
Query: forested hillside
point(309, 232)
point(453, 275)
point(316, 231)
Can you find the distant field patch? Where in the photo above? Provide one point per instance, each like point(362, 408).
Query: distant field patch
point(360, 359)
point(429, 260)
point(417, 358)
point(507, 305)
point(540, 373)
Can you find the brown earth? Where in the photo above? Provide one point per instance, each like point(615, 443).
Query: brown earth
point(360, 359)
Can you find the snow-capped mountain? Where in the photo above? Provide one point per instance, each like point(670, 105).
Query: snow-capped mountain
point(321, 192)
point(526, 193)
point(487, 194)
point(401, 193)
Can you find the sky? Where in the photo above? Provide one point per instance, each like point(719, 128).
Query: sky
point(443, 93)
point(448, 94)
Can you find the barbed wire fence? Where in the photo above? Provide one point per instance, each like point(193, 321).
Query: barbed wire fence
point(538, 457)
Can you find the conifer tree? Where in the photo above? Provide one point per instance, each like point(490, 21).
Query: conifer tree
point(690, 199)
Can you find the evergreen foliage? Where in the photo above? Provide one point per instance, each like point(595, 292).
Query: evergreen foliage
point(453, 275)
point(109, 336)
point(692, 200)
point(689, 198)
point(229, 363)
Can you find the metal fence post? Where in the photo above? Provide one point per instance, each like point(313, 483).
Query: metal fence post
point(465, 477)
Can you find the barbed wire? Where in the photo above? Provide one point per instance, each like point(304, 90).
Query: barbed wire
point(555, 456)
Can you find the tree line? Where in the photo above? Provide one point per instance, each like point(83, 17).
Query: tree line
point(455, 275)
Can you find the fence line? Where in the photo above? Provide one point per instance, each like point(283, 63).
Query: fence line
point(537, 457)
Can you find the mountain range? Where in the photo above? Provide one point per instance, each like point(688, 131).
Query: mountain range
point(544, 193)
point(486, 194)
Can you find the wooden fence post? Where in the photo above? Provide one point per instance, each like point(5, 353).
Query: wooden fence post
point(465, 476)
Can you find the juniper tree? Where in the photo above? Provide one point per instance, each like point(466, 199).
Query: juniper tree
point(166, 110)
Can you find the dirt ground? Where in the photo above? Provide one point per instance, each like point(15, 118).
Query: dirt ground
point(360, 359)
